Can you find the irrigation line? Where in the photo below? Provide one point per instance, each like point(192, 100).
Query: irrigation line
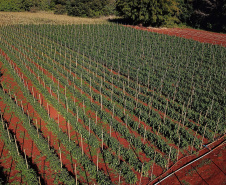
point(189, 163)
point(218, 167)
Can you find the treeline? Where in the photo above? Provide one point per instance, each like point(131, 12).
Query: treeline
point(84, 8)
point(203, 14)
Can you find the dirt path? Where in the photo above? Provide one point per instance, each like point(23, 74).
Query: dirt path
point(188, 33)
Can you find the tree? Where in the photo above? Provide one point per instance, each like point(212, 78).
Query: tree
point(10, 5)
point(209, 14)
point(88, 8)
point(149, 12)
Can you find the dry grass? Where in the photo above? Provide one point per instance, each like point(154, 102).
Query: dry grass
point(7, 18)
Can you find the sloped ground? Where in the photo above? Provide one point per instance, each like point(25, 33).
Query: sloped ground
point(188, 33)
point(45, 18)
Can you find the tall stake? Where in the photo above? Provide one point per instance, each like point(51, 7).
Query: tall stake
point(89, 126)
point(119, 178)
point(16, 145)
point(8, 132)
point(193, 142)
point(40, 100)
point(82, 145)
point(102, 145)
point(76, 178)
point(178, 150)
point(37, 127)
point(216, 128)
point(144, 135)
point(96, 117)
point(203, 135)
point(60, 158)
point(97, 160)
point(77, 114)
point(48, 143)
point(153, 166)
point(68, 124)
point(168, 159)
point(25, 158)
point(141, 172)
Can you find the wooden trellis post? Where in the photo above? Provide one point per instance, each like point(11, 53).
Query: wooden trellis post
point(68, 124)
point(81, 83)
point(82, 145)
point(159, 128)
point(102, 145)
point(48, 109)
point(101, 102)
point(40, 100)
point(144, 135)
point(126, 120)
point(58, 119)
point(89, 126)
point(168, 159)
point(8, 132)
point(110, 128)
point(77, 114)
point(125, 107)
point(61, 165)
point(216, 128)
point(141, 173)
point(96, 117)
point(22, 107)
point(153, 166)
point(76, 178)
point(83, 106)
point(97, 160)
point(39, 180)
point(193, 141)
point(37, 127)
point(16, 145)
point(29, 120)
point(166, 110)
point(25, 158)
point(119, 178)
point(203, 135)
point(15, 99)
point(50, 90)
point(90, 84)
point(178, 148)
point(48, 143)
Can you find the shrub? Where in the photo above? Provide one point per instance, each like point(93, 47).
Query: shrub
point(60, 9)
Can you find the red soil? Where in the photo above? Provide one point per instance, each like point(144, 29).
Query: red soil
point(9, 165)
point(42, 125)
point(188, 33)
point(54, 113)
point(209, 169)
point(63, 125)
point(21, 134)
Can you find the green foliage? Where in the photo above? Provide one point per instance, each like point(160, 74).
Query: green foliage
point(149, 12)
point(11, 5)
point(94, 8)
point(204, 14)
point(27, 5)
point(59, 9)
point(210, 15)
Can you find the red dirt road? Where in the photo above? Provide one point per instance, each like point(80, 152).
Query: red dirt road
point(188, 33)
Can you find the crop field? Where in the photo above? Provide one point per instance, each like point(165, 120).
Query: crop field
point(104, 104)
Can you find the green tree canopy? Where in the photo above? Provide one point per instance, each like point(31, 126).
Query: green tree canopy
point(89, 8)
point(209, 14)
point(149, 12)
